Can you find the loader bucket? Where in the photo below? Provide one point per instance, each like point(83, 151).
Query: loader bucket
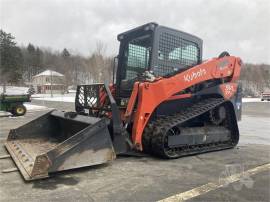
point(59, 141)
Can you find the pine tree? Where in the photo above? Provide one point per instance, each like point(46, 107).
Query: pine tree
point(38, 63)
point(10, 59)
point(31, 48)
point(65, 53)
point(34, 60)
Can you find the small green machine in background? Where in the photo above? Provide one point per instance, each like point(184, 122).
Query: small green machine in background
point(14, 103)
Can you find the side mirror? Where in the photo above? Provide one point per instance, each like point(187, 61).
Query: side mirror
point(115, 64)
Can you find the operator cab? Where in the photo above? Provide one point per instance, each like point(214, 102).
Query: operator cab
point(154, 48)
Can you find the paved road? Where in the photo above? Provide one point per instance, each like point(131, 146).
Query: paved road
point(151, 179)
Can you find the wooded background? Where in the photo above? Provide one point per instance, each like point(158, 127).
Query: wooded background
point(20, 63)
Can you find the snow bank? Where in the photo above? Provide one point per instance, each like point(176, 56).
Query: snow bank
point(56, 97)
point(14, 90)
point(71, 98)
point(31, 107)
point(251, 100)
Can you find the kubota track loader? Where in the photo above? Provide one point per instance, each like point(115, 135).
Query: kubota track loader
point(164, 100)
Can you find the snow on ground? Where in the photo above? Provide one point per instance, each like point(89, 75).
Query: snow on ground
point(70, 97)
point(31, 107)
point(14, 90)
point(72, 91)
point(247, 99)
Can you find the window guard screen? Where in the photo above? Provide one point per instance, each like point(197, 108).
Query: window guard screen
point(137, 56)
point(175, 53)
point(138, 59)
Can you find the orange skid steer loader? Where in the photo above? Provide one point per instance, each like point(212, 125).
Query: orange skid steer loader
point(164, 101)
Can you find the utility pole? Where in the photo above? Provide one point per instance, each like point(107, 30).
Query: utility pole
point(3, 82)
point(4, 88)
point(76, 75)
point(51, 84)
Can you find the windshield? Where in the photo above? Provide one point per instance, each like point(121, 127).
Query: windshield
point(137, 57)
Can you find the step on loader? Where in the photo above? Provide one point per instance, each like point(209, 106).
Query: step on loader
point(164, 101)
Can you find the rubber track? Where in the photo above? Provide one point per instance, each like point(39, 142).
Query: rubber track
point(155, 131)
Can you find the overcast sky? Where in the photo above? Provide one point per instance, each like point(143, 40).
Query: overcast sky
point(241, 27)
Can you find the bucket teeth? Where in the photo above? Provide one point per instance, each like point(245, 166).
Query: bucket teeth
point(23, 160)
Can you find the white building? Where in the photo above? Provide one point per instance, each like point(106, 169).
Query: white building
point(49, 82)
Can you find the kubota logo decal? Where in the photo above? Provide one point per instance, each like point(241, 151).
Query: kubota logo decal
point(194, 75)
